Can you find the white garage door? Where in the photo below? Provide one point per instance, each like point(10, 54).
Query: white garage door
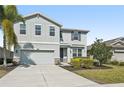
point(118, 56)
point(37, 57)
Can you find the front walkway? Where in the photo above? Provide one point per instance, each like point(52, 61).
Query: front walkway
point(44, 76)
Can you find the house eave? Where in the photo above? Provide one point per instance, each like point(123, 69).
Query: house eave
point(71, 29)
point(40, 15)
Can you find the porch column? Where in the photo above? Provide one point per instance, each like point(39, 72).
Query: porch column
point(69, 54)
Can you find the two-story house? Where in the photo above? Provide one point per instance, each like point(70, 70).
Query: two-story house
point(42, 41)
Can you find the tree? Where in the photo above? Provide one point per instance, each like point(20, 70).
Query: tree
point(9, 15)
point(101, 52)
point(1, 13)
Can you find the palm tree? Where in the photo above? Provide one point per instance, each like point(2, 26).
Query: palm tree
point(1, 13)
point(8, 17)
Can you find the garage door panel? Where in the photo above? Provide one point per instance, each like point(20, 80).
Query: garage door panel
point(38, 57)
point(118, 56)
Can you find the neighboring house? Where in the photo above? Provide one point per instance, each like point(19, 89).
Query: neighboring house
point(42, 41)
point(117, 45)
point(9, 54)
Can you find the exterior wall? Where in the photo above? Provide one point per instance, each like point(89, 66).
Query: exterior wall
point(70, 54)
point(119, 56)
point(30, 31)
point(40, 46)
point(69, 44)
point(67, 39)
point(45, 41)
point(41, 42)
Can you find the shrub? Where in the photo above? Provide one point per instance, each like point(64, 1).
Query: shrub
point(76, 62)
point(96, 63)
point(82, 62)
point(121, 64)
point(87, 62)
point(115, 62)
point(15, 63)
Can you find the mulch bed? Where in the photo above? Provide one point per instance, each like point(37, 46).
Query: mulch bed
point(71, 68)
point(5, 70)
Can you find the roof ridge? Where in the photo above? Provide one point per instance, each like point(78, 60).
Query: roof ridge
point(44, 16)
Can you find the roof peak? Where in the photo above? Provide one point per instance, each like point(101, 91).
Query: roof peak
point(42, 15)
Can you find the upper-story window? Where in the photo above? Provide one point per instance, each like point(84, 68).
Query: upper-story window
point(37, 29)
point(52, 31)
point(76, 35)
point(22, 29)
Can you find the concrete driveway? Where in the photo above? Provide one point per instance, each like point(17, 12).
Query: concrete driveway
point(43, 76)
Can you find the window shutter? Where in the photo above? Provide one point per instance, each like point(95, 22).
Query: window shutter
point(79, 36)
point(72, 36)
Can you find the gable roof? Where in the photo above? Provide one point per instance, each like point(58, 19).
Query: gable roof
point(70, 29)
point(113, 43)
point(43, 16)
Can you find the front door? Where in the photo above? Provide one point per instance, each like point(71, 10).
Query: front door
point(63, 54)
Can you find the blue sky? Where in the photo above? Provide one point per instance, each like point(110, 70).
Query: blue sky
point(106, 22)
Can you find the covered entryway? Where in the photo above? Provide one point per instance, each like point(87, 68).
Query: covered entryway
point(37, 57)
point(63, 54)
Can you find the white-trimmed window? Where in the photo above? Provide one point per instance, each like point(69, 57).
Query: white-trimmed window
point(74, 52)
point(77, 52)
point(37, 29)
point(52, 30)
point(22, 28)
point(65, 52)
point(76, 35)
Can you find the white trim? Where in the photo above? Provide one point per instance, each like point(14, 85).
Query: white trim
point(35, 29)
point(118, 51)
point(20, 29)
point(117, 42)
point(49, 43)
point(35, 49)
point(54, 31)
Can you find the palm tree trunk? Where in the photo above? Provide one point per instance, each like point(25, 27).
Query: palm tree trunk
point(4, 51)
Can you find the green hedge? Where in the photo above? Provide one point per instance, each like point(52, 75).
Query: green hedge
point(82, 62)
point(121, 64)
point(114, 62)
point(87, 62)
point(76, 62)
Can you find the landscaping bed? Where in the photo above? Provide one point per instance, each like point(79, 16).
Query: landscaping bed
point(106, 74)
point(4, 71)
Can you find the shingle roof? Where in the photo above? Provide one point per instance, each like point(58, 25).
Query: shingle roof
point(109, 42)
point(43, 16)
point(112, 43)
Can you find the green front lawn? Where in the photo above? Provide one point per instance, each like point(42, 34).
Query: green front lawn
point(103, 76)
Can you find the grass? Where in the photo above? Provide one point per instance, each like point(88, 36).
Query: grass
point(102, 76)
point(4, 71)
